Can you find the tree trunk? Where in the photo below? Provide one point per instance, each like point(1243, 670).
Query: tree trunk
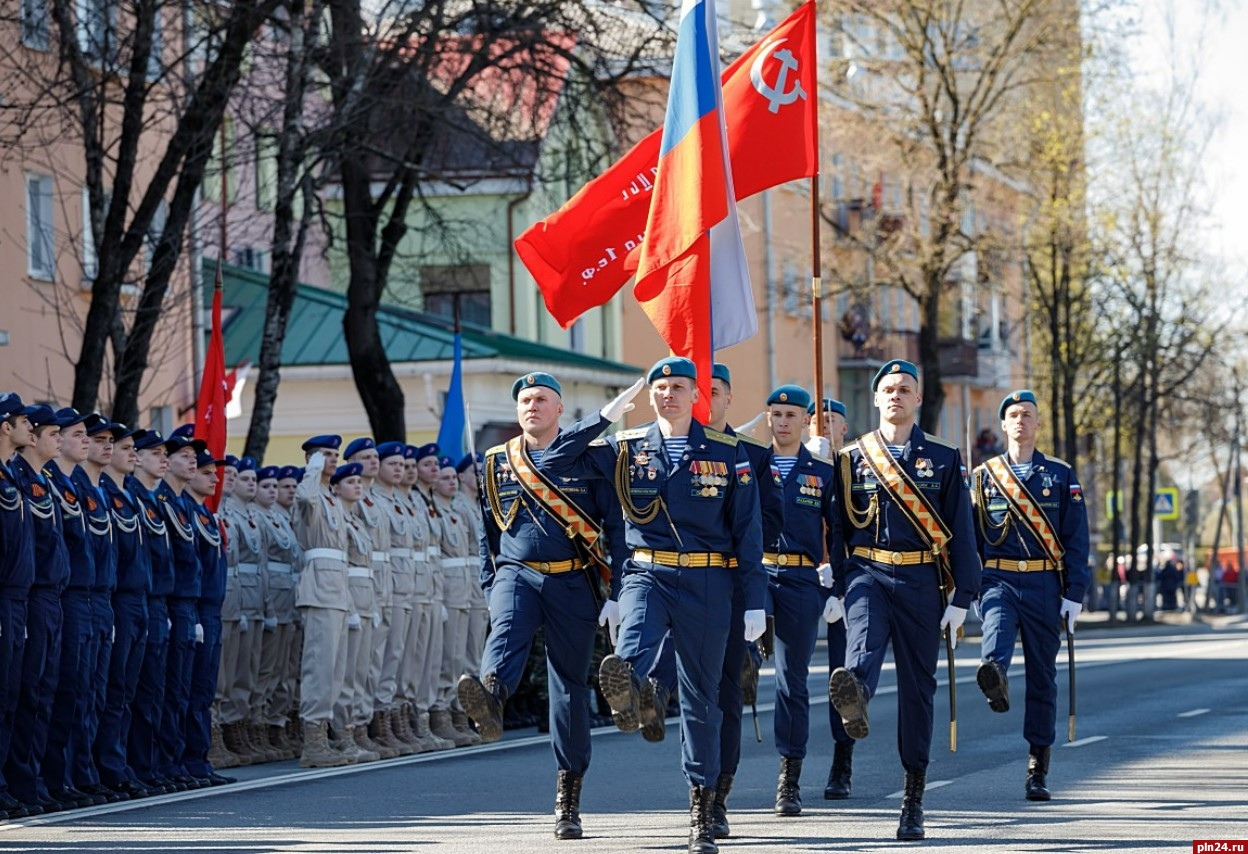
point(929, 359)
point(1116, 491)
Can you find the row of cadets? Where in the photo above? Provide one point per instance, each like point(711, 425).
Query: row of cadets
point(279, 650)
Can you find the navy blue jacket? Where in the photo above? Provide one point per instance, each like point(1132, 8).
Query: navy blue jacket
point(1055, 488)
point(100, 529)
point(723, 519)
point(533, 535)
point(179, 519)
point(134, 563)
point(211, 548)
point(156, 534)
point(944, 484)
point(770, 495)
point(74, 528)
point(51, 556)
point(811, 521)
point(17, 539)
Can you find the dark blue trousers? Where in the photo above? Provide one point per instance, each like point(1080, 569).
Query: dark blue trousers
point(836, 658)
point(695, 605)
point(74, 694)
point(797, 607)
point(147, 710)
point(902, 605)
point(125, 665)
point(180, 665)
point(203, 691)
point(41, 667)
point(12, 650)
point(521, 600)
point(82, 750)
point(1027, 604)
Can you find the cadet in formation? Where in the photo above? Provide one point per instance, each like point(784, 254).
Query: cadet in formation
point(536, 575)
point(692, 522)
point(906, 517)
point(1032, 528)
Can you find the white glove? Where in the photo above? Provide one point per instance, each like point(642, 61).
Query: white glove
point(755, 625)
point(354, 623)
point(979, 612)
point(316, 464)
point(609, 616)
point(199, 633)
point(112, 637)
point(270, 624)
point(446, 615)
point(953, 619)
point(615, 410)
point(833, 610)
point(243, 625)
point(825, 574)
point(819, 446)
point(168, 625)
point(376, 620)
point(1070, 613)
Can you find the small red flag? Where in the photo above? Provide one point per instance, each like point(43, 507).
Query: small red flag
point(210, 408)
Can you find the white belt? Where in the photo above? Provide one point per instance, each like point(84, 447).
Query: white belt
point(381, 557)
point(457, 562)
point(326, 554)
point(281, 568)
point(249, 568)
point(403, 553)
point(359, 572)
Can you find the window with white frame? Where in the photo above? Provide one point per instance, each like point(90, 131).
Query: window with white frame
point(90, 261)
point(40, 242)
point(35, 24)
point(96, 28)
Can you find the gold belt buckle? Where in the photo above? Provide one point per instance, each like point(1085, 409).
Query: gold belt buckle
point(782, 560)
point(1022, 566)
point(544, 566)
point(683, 560)
point(896, 558)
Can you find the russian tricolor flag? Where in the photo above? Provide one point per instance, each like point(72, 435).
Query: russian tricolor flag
point(692, 277)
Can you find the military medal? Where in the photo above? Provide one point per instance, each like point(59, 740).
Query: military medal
point(923, 467)
point(642, 458)
point(651, 474)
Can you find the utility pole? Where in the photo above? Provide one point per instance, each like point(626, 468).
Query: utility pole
point(1239, 504)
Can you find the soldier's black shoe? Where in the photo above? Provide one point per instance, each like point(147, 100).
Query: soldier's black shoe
point(653, 705)
point(1038, 773)
point(216, 779)
point(749, 679)
point(719, 807)
point(911, 826)
point(788, 793)
point(996, 687)
point(621, 688)
point(568, 805)
point(127, 789)
point(701, 837)
point(840, 775)
point(483, 700)
point(72, 799)
point(849, 697)
point(99, 790)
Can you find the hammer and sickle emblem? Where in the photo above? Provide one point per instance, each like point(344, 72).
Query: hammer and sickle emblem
point(777, 96)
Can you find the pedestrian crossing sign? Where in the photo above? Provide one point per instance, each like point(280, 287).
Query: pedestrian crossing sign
point(1166, 503)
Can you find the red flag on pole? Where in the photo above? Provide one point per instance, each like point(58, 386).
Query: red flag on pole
point(579, 254)
point(210, 408)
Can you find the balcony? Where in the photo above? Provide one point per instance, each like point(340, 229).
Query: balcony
point(958, 358)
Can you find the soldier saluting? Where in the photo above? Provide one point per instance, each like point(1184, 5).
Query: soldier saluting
point(906, 519)
point(1032, 527)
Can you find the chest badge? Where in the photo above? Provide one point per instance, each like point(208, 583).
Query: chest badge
point(923, 467)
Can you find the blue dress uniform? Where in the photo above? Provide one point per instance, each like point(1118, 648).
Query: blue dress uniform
point(143, 743)
point(687, 524)
point(17, 572)
point(1023, 589)
point(207, 661)
point(42, 657)
point(134, 581)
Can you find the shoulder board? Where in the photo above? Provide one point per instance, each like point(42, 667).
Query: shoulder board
point(634, 433)
point(819, 459)
point(721, 437)
point(936, 440)
point(1056, 460)
point(598, 443)
point(741, 437)
point(497, 449)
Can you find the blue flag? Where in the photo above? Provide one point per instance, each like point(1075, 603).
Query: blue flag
point(454, 420)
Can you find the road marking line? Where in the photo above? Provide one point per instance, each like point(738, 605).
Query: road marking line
point(934, 784)
point(1092, 739)
point(1193, 713)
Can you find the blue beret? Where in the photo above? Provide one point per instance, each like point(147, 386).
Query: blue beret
point(829, 405)
point(186, 431)
point(231, 461)
point(349, 470)
point(68, 416)
point(535, 379)
point(1022, 395)
point(896, 366)
point(289, 473)
point(789, 395)
point(430, 450)
point(446, 463)
point(247, 464)
point(719, 371)
point(329, 441)
point(11, 405)
point(672, 366)
point(468, 461)
point(267, 473)
point(41, 415)
point(391, 449)
point(364, 443)
point(410, 452)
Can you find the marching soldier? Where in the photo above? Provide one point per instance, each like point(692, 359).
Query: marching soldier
point(1033, 536)
point(906, 519)
point(541, 546)
point(276, 647)
point(692, 511)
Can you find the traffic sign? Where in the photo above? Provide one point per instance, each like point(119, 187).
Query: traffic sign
point(1166, 503)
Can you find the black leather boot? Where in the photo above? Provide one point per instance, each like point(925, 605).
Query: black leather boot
point(994, 684)
point(849, 697)
point(701, 837)
point(911, 826)
point(568, 805)
point(842, 770)
point(653, 701)
point(1037, 774)
point(788, 793)
point(483, 701)
point(719, 807)
point(623, 692)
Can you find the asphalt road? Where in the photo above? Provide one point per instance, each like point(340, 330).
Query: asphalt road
point(1161, 760)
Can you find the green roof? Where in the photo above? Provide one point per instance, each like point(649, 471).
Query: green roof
point(314, 334)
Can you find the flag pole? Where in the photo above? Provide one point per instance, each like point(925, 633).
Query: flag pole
point(816, 303)
point(218, 289)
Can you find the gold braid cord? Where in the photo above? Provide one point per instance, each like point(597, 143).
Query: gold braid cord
point(859, 520)
point(983, 518)
point(622, 482)
point(503, 520)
